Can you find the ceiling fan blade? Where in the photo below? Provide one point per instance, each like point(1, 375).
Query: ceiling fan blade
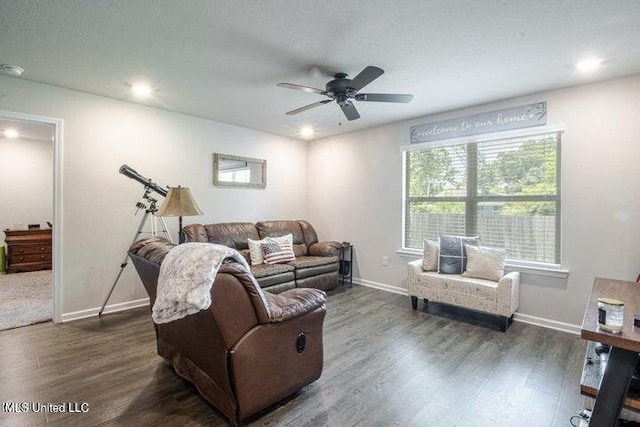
point(384, 97)
point(365, 77)
point(302, 88)
point(350, 111)
point(308, 107)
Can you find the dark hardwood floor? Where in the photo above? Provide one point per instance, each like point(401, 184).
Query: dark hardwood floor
point(385, 365)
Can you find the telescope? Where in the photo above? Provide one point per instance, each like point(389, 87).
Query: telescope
point(149, 207)
point(147, 182)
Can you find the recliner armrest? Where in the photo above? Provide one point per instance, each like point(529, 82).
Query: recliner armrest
point(293, 303)
point(324, 249)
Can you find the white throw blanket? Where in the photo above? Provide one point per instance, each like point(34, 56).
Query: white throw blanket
point(186, 276)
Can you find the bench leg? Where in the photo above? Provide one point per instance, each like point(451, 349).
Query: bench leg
point(505, 322)
point(414, 302)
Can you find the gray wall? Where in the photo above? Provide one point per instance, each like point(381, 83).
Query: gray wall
point(349, 187)
point(101, 134)
point(355, 194)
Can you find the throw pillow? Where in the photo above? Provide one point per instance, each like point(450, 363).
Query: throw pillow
point(453, 256)
point(485, 263)
point(285, 242)
point(430, 255)
point(255, 251)
point(275, 253)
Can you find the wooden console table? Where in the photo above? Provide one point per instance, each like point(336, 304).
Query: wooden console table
point(623, 356)
point(28, 250)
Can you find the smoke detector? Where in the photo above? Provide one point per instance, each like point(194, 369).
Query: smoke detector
point(12, 70)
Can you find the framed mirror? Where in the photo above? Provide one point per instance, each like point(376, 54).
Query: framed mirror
point(236, 171)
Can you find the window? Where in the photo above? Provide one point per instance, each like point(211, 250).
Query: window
point(237, 175)
point(506, 191)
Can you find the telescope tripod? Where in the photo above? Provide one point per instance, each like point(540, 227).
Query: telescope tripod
point(151, 209)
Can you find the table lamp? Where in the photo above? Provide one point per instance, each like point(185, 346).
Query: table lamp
point(179, 202)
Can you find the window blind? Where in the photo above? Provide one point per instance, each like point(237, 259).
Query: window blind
point(507, 192)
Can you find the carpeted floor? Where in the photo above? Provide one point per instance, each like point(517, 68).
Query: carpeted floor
point(25, 299)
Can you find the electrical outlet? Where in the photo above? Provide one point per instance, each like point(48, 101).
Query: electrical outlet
point(385, 260)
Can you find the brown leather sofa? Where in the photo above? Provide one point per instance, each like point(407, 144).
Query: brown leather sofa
point(250, 349)
point(316, 264)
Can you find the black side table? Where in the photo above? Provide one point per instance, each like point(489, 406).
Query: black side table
point(345, 256)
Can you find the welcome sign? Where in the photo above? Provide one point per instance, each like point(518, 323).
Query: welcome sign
point(494, 121)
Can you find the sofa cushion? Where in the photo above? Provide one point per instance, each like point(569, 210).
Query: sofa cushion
point(269, 283)
point(312, 261)
point(263, 270)
point(453, 256)
point(310, 235)
point(311, 267)
point(458, 284)
point(485, 263)
point(232, 234)
point(281, 228)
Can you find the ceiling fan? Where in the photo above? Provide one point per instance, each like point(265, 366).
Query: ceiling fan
point(342, 89)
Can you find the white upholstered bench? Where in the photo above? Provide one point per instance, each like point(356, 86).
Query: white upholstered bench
point(500, 298)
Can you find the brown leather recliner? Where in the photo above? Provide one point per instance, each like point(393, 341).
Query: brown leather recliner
point(250, 349)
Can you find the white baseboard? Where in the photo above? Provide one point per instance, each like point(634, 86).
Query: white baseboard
point(381, 286)
point(111, 308)
point(518, 317)
point(547, 323)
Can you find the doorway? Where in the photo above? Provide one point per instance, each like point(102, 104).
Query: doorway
point(30, 219)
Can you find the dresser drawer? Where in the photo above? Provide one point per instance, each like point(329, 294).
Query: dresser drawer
point(28, 250)
point(31, 249)
point(19, 259)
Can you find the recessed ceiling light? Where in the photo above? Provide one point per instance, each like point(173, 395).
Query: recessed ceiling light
point(588, 64)
point(307, 132)
point(141, 90)
point(11, 133)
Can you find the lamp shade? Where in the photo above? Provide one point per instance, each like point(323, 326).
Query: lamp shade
point(179, 202)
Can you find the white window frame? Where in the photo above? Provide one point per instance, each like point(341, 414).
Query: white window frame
point(538, 268)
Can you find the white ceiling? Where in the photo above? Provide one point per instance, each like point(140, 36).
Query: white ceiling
point(222, 59)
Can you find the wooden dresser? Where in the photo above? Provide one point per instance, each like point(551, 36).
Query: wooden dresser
point(28, 250)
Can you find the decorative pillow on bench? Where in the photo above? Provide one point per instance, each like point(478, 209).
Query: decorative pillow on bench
point(453, 256)
point(485, 263)
point(430, 255)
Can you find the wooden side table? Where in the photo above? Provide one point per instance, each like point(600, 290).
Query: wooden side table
point(623, 356)
point(28, 250)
